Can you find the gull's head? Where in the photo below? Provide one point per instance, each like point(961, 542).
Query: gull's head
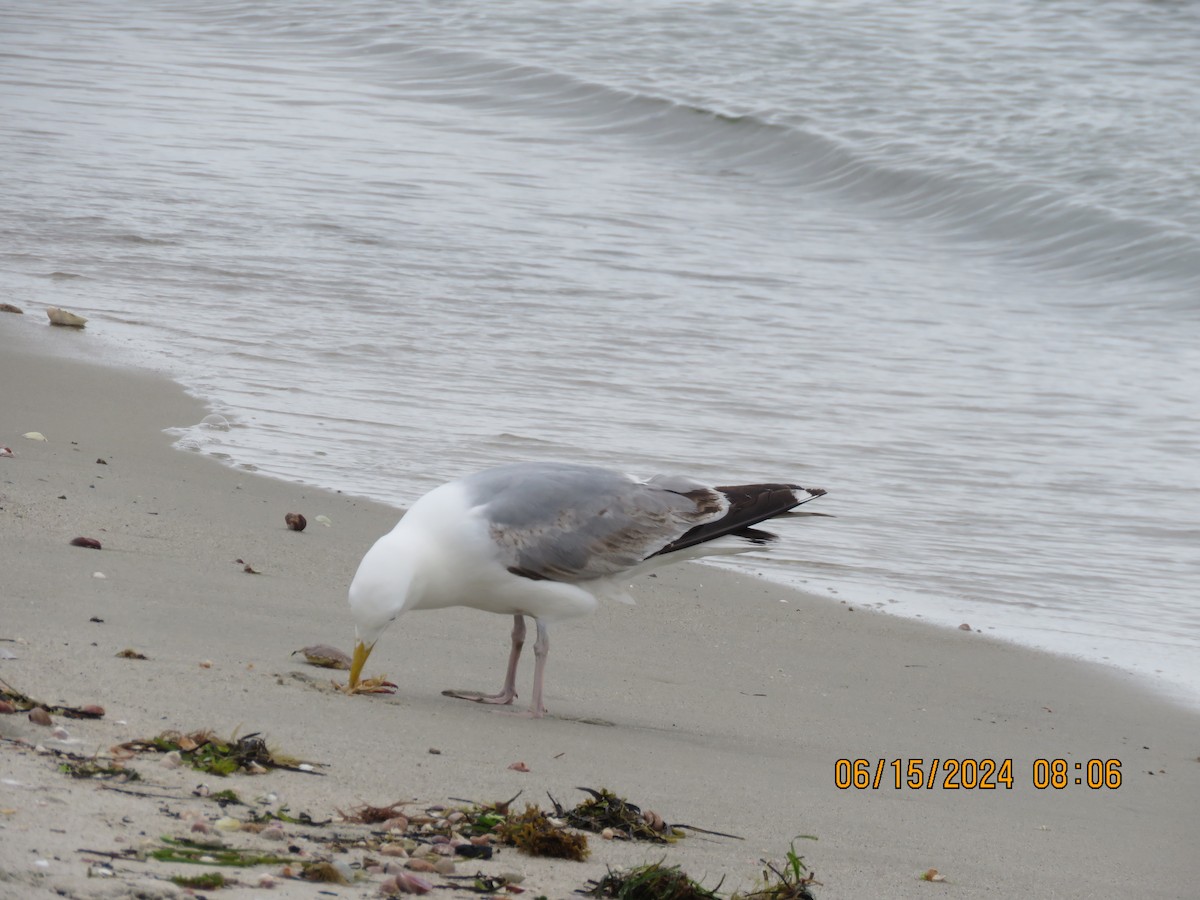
point(378, 594)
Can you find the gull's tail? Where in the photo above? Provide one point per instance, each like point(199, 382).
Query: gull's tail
point(744, 506)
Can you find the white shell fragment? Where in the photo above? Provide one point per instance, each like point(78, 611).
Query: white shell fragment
point(324, 520)
point(62, 317)
point(34, 436)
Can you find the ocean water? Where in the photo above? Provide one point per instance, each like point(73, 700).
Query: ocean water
point(940, 259)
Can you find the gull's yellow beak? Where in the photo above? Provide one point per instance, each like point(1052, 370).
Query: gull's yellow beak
point(361, 652)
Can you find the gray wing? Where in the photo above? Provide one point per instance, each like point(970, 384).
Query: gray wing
point(564, 522)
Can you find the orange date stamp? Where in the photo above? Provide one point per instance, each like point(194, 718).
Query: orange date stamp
point(963, 773)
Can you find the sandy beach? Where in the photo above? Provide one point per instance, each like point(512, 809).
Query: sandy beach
point(718, 700)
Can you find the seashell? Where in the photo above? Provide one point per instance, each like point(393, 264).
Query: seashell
point(408, 883)
point(444, 867)
point(206, 664)
point(607, 834)
point(201, 827)
point(396, 850)
point(9, 308)
point(6, 451)
point(324, 520)
point(39, 716)
point(295, 521)
point(172, 760)
point(273, 833)
point(519, 767)
point(60, 734)
point(90, 543)
point(62, 317)
point(266, 881)
point(511, 877)
point(92, 711)
point(419, 865)
point(325, 656)
point(6, 708)
point(34, 436)
point(396, 823)
point(654, 820)
point(965, 626)
point(227, 823)
point(99, 575)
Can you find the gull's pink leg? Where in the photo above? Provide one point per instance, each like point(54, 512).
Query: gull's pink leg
point(509, 692)
point(541, 649)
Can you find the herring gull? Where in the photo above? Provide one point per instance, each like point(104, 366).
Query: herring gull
point(548, 540)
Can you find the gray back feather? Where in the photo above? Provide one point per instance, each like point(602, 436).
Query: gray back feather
point(566, 522)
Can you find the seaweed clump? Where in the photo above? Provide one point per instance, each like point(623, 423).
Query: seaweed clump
point(93, 768)
point(211, 853)
point(650, 882)
point(534, 833)
point(606, 810)
point(789, 881)
point(204, 751)
point(209, 881)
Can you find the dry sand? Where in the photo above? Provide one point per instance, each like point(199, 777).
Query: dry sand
point(718, 700)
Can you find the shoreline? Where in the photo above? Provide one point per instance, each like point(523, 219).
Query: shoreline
point(727, 699)
point(1168, 674)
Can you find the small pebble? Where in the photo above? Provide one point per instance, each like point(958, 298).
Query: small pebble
point(444, 867)
point(607, 834)
point(99, 575)
point(39, 716)
point(201, 827)
point(227, 823)
point(206, 664)
point(60, 733)
point(266, 881)
point(6, 708)
point(396, 850)
point(419, 865)
point(274, 833)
